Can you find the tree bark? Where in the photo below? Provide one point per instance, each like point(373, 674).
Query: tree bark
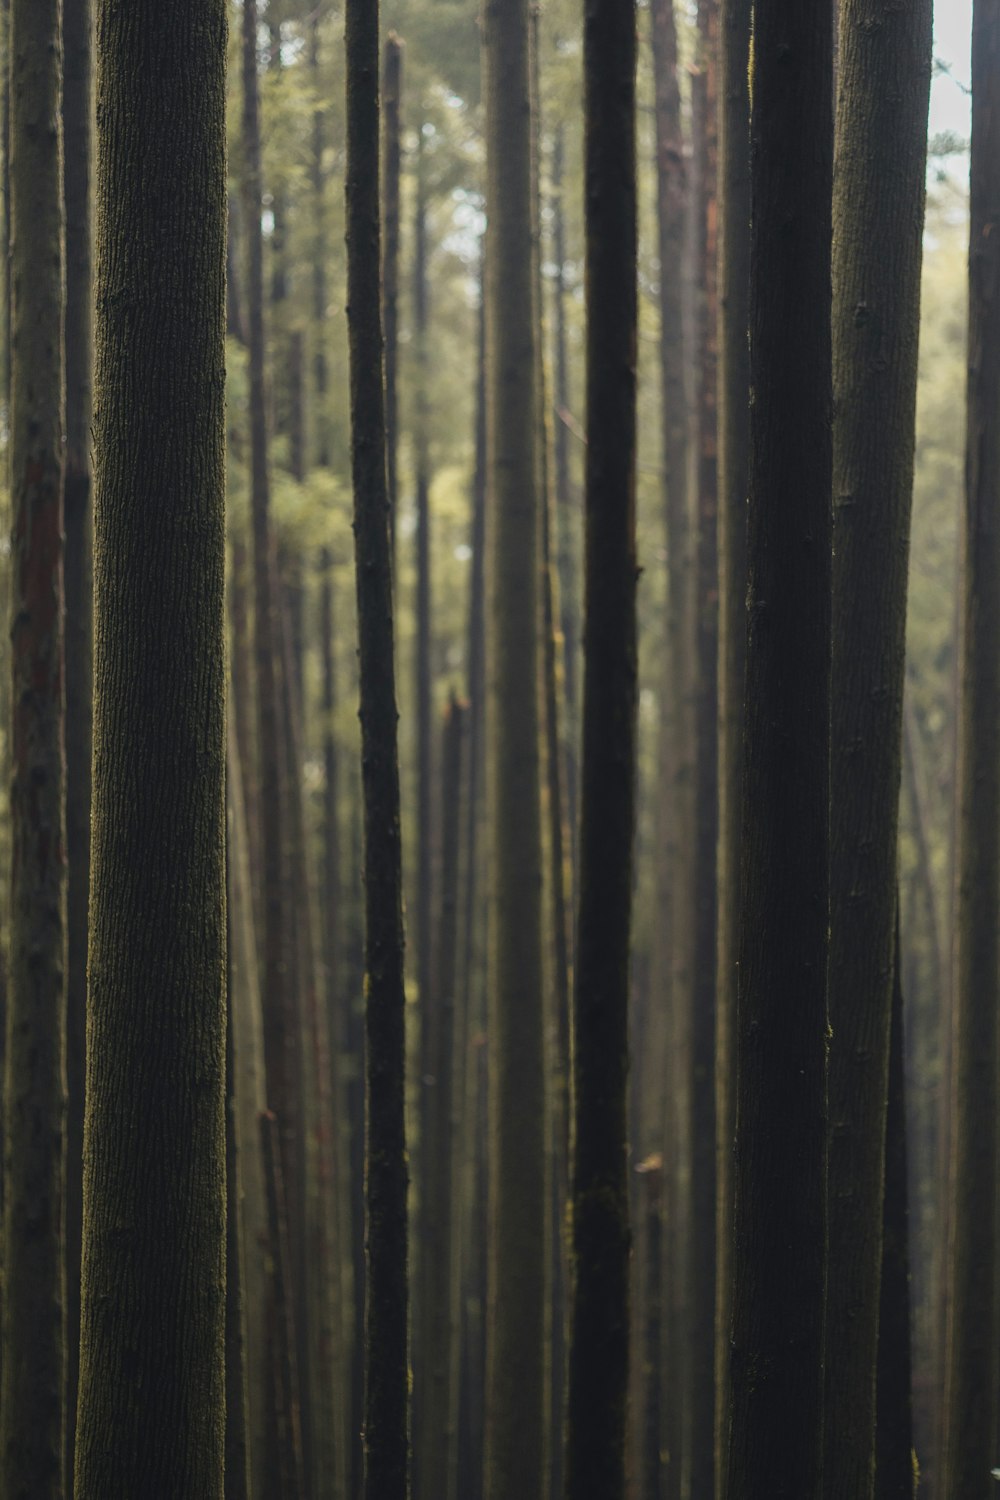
point(387, 1365)
point(79, 582)
point(780, 1215)
point(599, 1309)
point(152, 1372)
point(33, 1390)
point(973, 1374)
point(734, 460)
point(515, 1374)
point(881, 156)
point(392, 93)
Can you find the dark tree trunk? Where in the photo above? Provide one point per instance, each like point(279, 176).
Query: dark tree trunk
point(79, 580)
point(392, 94)
point(34, 1317)
point(974, 1353)
point(599, 1308)
point(387, 1364)
point(895, 1468)
point(237, 1454)
point(515, 1375)
point(152, 1373)
point(780, 1219)
point(706, 790)
point(734, 459)
point(885, 58)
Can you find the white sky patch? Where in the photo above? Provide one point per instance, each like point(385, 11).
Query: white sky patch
point(950, 103)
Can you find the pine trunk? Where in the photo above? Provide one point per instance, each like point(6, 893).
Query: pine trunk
point(33, 1392)
point(387, 1365)
point(152, 1370)
point(780, 1217)
point(599, 1306)
point(881, 153)
point(79, 580)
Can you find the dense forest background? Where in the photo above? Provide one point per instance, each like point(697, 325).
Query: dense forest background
point(296, 918)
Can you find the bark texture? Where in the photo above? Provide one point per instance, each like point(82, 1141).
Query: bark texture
point(881, 156)
point(34, 1353)
point(386, 1457)
point(152, 1370)
point(79, 582)
point(599, 1204)
point(515, 1375)
point(776, 1447)
point(973, 1373)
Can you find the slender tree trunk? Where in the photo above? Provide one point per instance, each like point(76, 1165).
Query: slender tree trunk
point(437, 1433)
point(651, 1480)
point(565, 509)
point(237, 1452)
point(282, 1039)
point(706, 788)
point(599, 1316)
point(285, 1476)
point(470, 1354)
point(973, 1373)
point(33, 1389)
point(895, 1469)
point(776, 1444)
point(734, 460)
point(392, 95)
point(79, 579)
point(515, 1374)
point(665, 1050)
point(885, 58)
point(387, 1364)
point(248, 1041)
point(152, 1372)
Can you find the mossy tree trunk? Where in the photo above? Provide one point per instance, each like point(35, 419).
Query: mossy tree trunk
point(152, 1369)
point(515, 1341)
point(973, 1373)
point(386, 1474)
point(599, 1202)
point(780, 1216)
point(884, 82)
point(33, 1393)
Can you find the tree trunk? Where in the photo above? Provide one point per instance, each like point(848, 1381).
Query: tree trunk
point(885, 57)
point(706, 761)
point(973, 1375)
point(387, 1364)
point(895, 1468)
point(599, 1308)
point(34, 1317)
point(515, 1375)
point(780, 1215)
point(392, 93)
point(152, 1375)
point(79, 580)
point(734, 459)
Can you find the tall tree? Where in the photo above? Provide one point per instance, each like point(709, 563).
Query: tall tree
point(599, 1317)
point(973, 1373)
point(734, 458)
point(79, 578)
point(881, 157)
point(392, 94)
point(386, 1473)
point(282, 1032)
point(152, 1376)
point(706, 790)
point(33, 1393)
point(515, 1375)
point(776, 1444)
